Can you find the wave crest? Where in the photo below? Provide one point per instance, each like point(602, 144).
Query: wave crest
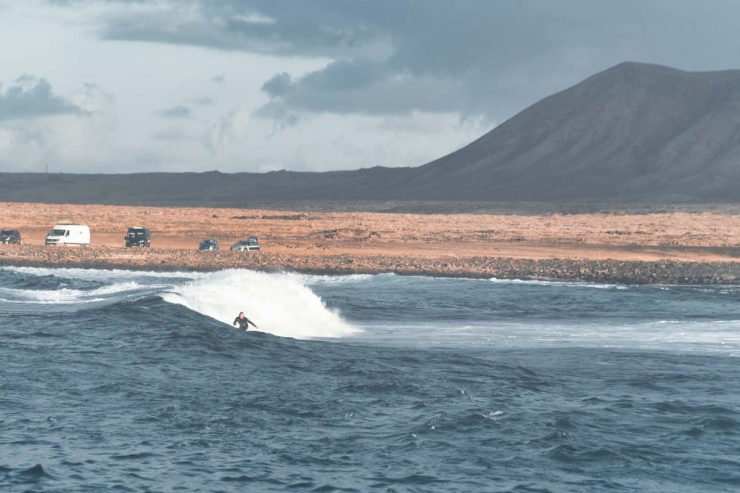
point(279, 304)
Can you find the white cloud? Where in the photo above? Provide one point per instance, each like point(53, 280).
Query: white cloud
point(317, 85)
point(227, 136)
point(72, 142)
point(92, 100)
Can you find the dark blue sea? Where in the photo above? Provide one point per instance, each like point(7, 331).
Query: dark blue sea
point(135, 381)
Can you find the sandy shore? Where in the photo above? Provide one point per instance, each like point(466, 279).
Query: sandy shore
point(677, 247)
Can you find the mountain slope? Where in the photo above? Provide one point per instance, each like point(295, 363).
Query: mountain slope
point(635, 131)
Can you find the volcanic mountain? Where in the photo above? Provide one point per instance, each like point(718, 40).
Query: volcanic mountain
point(635, 133)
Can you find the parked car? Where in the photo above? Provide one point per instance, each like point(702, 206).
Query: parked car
point(137, 237)
point(208, 245)
point(250, 244)
point(10, 236)
point(69, 235)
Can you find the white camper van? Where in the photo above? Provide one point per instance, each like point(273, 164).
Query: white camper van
point(69, 234)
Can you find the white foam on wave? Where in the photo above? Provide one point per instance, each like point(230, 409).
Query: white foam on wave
point(574, 284)
point(280, 304)
point(71, 296)
point(708, 336)
point(334, 279)
point(101, 274)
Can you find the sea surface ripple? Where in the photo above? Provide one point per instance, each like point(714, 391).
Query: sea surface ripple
point(131, 381)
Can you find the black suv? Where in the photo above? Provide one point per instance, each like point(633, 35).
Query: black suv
point(137, 237)
point(208, 245)
point(10, 236)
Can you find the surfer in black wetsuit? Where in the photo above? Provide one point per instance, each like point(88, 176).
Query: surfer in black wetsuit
point(243, 322)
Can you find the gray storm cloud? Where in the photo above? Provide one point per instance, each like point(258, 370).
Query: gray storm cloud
point(349, 83)
point(31, 97)
point(472, 57)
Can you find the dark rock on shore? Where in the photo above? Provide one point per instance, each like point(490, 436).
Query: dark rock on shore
point(603, 271)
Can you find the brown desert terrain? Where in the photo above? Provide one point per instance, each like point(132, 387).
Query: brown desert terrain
point(675, 247)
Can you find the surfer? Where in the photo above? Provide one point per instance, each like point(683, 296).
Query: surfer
point(243, 322)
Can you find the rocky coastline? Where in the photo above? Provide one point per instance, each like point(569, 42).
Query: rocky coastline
point(161, 259)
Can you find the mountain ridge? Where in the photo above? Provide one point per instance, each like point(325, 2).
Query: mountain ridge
point(616, 127)
point(632, 133)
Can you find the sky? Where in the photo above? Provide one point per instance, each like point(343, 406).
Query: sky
point(114, 86)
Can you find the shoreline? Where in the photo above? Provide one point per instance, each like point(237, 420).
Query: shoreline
point(660, 248)
point(607, 271)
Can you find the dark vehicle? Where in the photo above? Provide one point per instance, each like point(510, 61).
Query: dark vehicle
point(137, 237)
point(208, 245)
point(250, 244)
point(10, 237)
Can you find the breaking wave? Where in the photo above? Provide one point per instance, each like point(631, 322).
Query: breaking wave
point(279, 304)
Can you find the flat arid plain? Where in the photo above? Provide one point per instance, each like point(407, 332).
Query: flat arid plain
point(673, 247)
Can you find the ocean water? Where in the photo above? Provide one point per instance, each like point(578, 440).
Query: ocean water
point(134, 381)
